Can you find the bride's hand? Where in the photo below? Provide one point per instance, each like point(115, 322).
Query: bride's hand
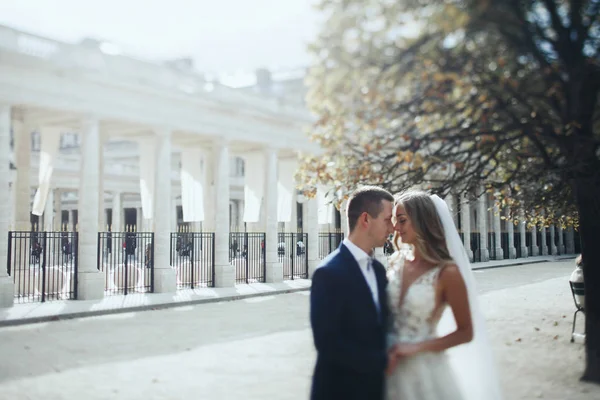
point(407, 350)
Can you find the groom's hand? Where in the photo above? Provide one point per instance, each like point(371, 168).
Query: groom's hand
point(406, 350)
point(392, 360)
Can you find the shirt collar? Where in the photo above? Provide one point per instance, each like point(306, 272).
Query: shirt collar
point(359, 254)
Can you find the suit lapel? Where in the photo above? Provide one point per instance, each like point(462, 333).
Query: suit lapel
point(380, 274)
point(381, 285)
point(359, 278)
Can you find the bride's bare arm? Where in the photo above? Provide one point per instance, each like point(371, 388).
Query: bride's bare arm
point(455, 294)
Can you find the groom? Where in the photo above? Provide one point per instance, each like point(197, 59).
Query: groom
point(348, 305)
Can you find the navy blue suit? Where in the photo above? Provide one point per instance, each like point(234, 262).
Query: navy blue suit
point(348, 331)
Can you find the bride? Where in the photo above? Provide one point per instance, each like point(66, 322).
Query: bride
point(437, 339)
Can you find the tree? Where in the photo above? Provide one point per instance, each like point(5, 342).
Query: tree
point(453, 95)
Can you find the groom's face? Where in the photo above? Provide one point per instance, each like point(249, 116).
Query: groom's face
point(381, 227)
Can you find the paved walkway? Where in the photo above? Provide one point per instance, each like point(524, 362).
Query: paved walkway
point(261, 347)
point(52, 310)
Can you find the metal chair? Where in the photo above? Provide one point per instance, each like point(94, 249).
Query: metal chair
point(577, 289)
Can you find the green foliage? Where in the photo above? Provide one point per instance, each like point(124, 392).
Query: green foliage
point(456, 95)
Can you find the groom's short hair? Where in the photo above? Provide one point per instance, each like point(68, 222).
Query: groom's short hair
point(366, 199)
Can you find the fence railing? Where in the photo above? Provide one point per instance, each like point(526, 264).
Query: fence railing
point(43, 265)
point(192, 256)
point(292, 252)
point(127, 259)
point(328, 242)
point(247, 254)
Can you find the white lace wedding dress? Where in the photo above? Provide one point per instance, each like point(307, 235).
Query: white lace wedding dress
point(425, 376)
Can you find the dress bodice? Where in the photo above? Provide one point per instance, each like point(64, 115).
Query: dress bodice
point(413, 317)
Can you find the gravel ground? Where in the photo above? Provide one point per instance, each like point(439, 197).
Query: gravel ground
point(262, 348)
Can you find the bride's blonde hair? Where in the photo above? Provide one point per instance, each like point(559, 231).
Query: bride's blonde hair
point(431, 241)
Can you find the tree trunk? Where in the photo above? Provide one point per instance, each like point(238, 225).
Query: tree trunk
point(588, 203)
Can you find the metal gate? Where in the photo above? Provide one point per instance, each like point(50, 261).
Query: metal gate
point(292, 253)
point(328, 242)
point(127, 258)
point(193, 258)
point(43, 265)
point(247, 254)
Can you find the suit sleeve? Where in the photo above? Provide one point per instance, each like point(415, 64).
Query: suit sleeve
point(325, 318)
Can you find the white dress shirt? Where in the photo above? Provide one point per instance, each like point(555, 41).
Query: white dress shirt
point(364, 262)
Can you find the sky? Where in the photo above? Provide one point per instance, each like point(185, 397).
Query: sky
point(222, 36)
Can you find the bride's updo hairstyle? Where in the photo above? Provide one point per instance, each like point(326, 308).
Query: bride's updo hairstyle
point(430, 238)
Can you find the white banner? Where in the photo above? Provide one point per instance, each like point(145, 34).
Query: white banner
point(325, 206)
point(286, 188)
point(254, 188)
point(147, 149)
point(192, 190)
point(50, 144)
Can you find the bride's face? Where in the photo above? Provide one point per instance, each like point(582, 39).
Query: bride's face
point(403, 225)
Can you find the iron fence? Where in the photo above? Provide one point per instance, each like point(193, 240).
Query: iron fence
point(43, 265)
point(193, 258)
point(328, 242)
point(292, 253)
point(127, 259)
point(247, 254)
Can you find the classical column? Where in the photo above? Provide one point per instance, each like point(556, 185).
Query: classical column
point(344, 218)
point(544, 242)
point(311, 227)
point(6, 283)
point(498, 250)
point(102, 216)
point(149, 225)
point(224, 271)
point(139, 220)
point(90, 281)
point(101, 205)
point(535, 250)
point(117, 212)
point(523, 234)
point(209, 192)
point(236, 215)
point(553, 249)
point(58, 210)
point(12, 204)
point(510, 228)
point(292, 226)
point(165, 279)
point(23, 178)
point(70, 226)
point(48, 223)
point(465, 215)
point(49, 212)
point(570, 240)
point(173, 215)
point(274, 268)
point(484, 254)
point(561, 241)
